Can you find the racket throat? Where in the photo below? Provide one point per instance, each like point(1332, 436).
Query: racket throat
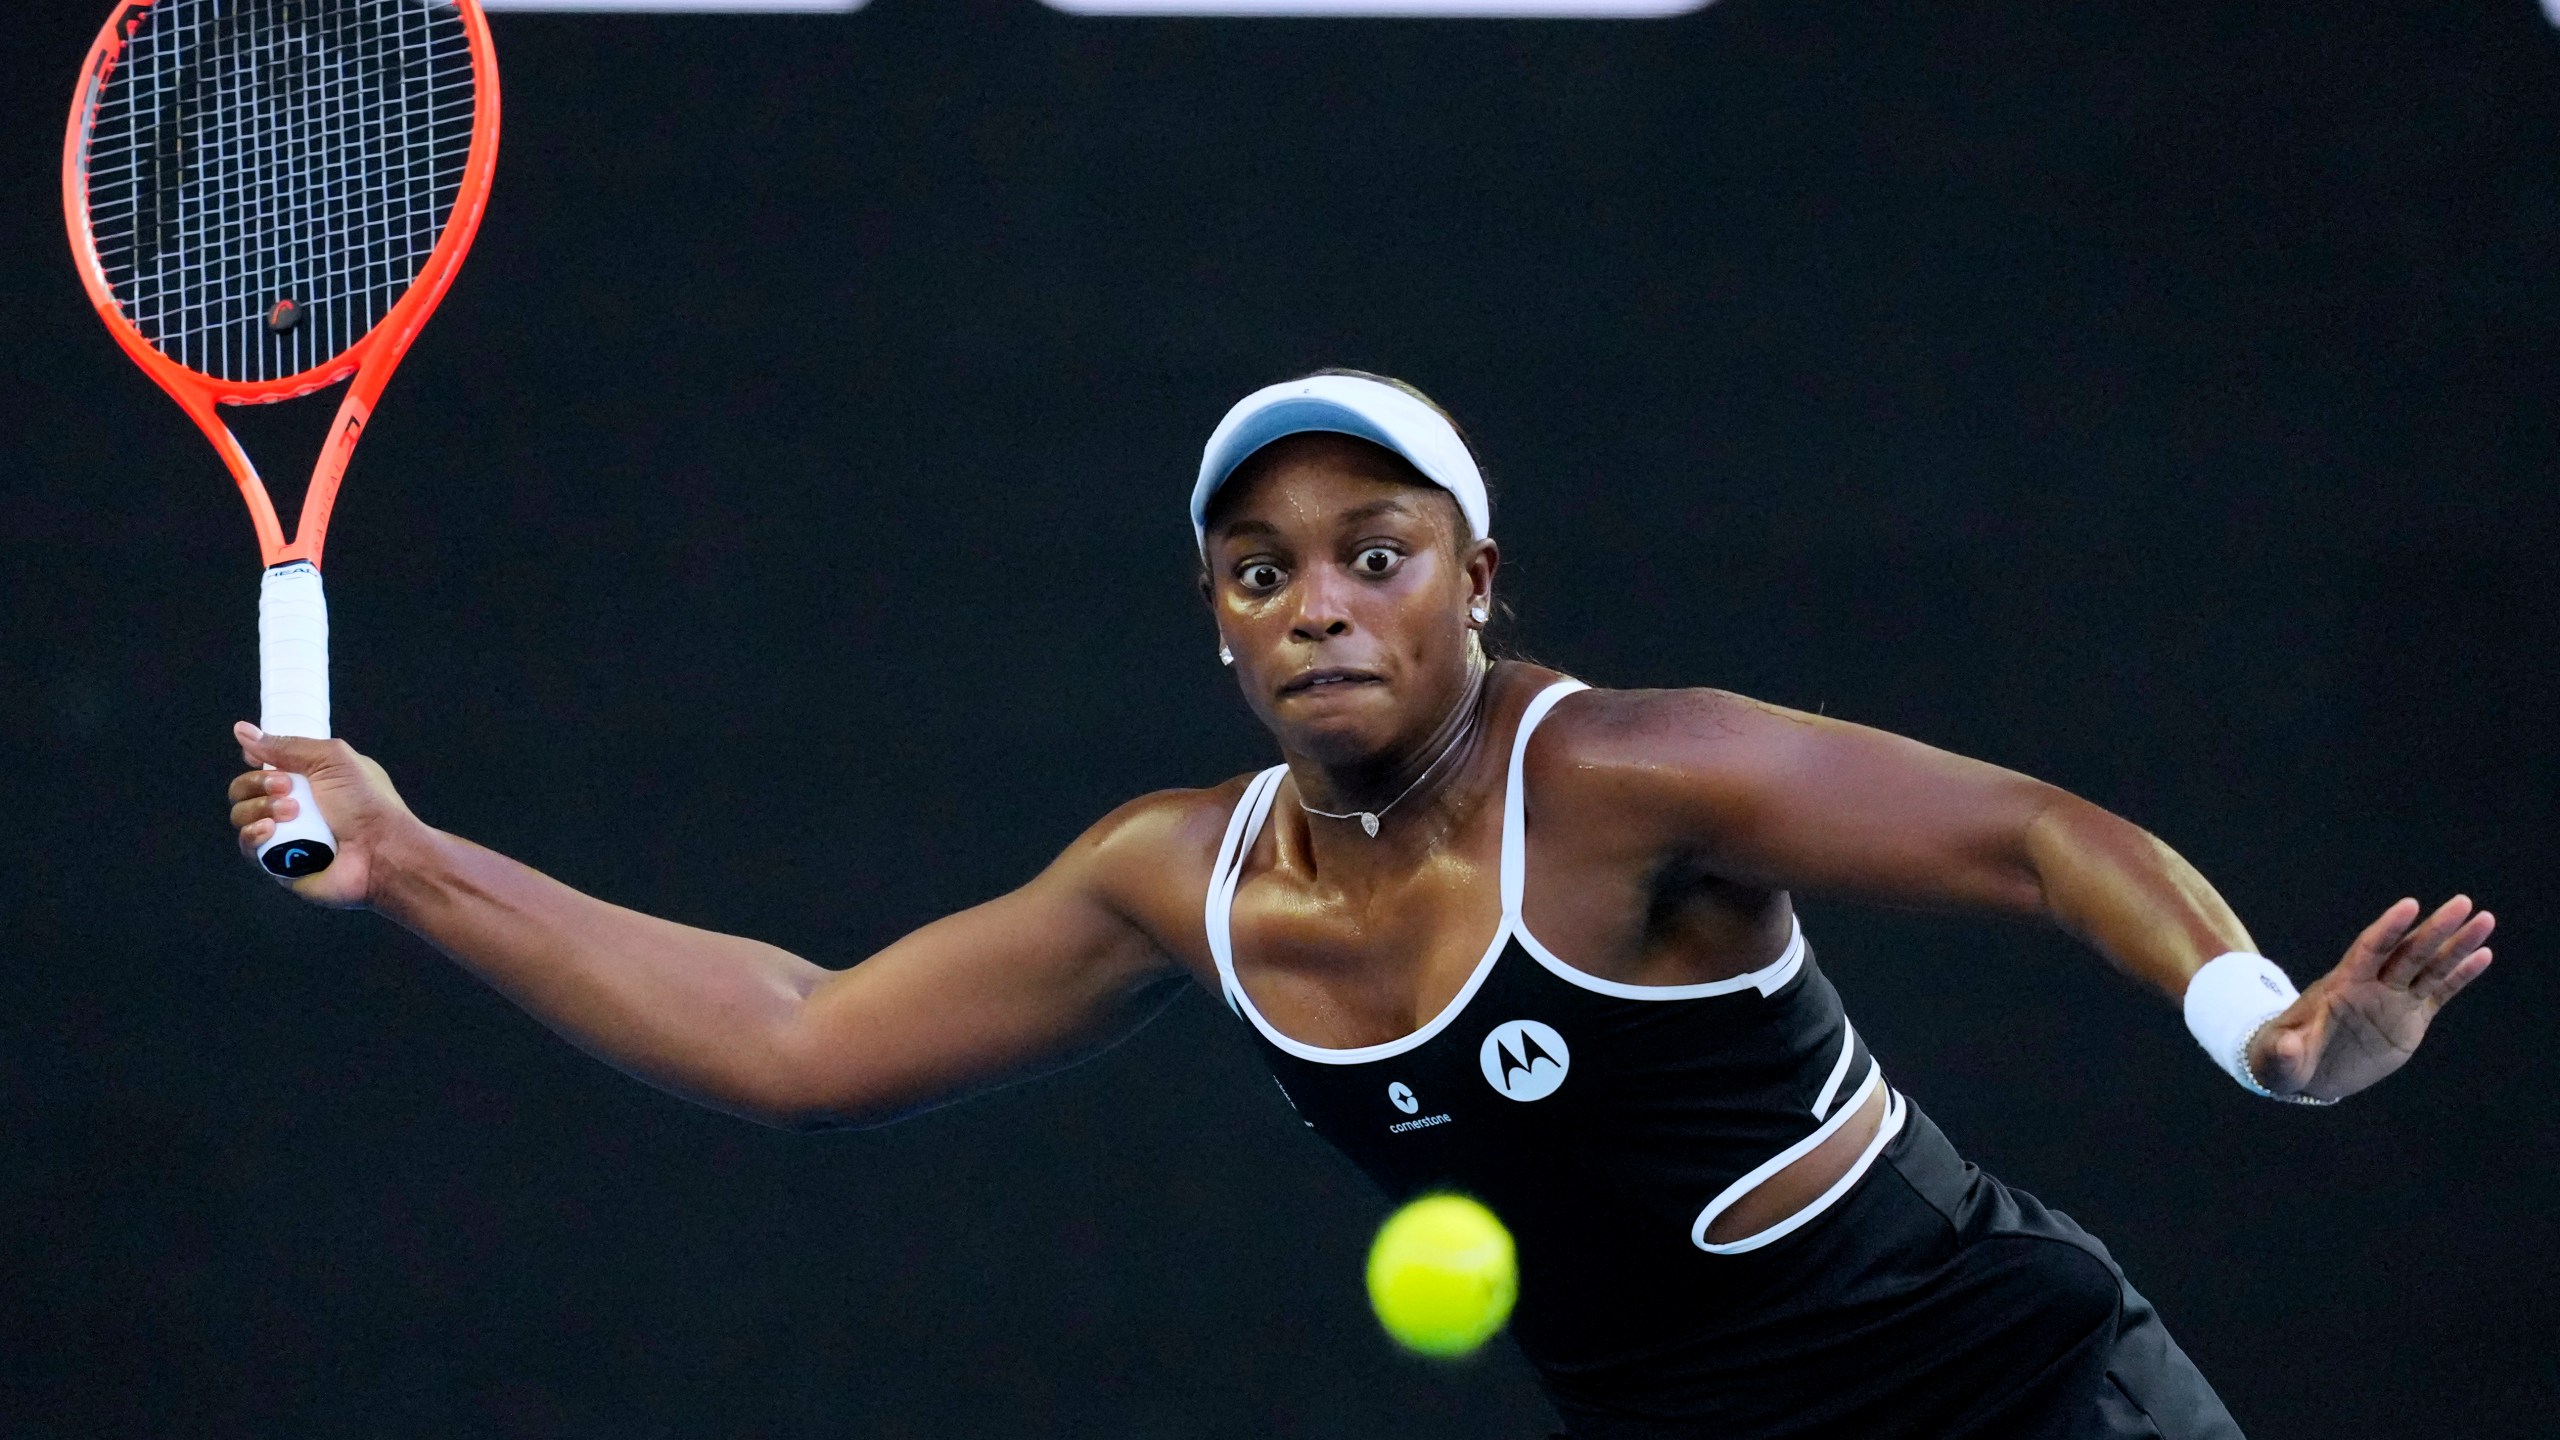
point(277, 510)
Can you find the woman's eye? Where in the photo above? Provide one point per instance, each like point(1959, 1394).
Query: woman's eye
point(1261, 575)
point(1376, 560)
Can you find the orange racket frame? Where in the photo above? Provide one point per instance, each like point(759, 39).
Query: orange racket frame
point(371, 359)
point(293, 626)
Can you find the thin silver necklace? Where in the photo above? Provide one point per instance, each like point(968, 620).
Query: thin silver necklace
point(1369, 818)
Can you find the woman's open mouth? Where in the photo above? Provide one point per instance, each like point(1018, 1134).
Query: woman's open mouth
point(1327, 679)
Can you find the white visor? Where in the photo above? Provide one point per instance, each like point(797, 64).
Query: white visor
point(1343, 405)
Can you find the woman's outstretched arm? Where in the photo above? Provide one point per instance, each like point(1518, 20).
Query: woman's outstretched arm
point(1022, 983)
point(1778, 798)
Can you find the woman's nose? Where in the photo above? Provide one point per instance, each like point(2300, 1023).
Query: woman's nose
point(1321, 608)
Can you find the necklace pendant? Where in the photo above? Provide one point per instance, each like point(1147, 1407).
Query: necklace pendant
point(1369, 822)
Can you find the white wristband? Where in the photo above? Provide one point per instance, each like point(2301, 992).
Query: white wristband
point(2228, 1001)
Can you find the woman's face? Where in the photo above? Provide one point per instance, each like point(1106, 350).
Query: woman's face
point(1342, 581)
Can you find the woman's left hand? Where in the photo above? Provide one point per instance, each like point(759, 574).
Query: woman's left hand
point(2364, 1019)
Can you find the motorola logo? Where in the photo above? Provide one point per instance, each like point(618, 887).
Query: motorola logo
point(1524, 1059)
point(1400, 1095)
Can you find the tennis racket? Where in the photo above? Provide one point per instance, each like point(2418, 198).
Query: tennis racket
point(266, 197)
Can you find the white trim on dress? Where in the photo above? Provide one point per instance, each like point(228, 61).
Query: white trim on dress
point(1253, 809)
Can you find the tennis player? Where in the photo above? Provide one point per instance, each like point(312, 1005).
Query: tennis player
point(1498, 931)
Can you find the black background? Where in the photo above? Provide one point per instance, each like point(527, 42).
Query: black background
point(780, 528)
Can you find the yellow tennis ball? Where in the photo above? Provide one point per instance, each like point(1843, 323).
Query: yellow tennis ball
point(1442, 1275)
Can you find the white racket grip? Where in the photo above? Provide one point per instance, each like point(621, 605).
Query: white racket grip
point(293, 699)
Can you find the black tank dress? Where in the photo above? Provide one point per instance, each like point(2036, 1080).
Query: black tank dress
point(1609, 1125)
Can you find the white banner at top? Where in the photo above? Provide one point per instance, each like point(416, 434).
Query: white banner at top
point(1392, 9)
point(1398, 9)
point(684, 7)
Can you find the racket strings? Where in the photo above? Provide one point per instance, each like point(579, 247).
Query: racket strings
point(241, 154)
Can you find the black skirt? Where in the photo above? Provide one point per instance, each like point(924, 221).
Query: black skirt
point(1933, 1302)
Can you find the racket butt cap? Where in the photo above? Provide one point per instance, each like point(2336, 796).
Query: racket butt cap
point(294, 859)
point(303, 845)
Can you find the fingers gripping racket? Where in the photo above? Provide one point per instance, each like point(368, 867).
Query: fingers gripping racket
point(266, 197)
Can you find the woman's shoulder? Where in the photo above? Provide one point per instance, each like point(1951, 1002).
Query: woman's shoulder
point(1163, 837)
point(1620, 738)
point(1151, 860)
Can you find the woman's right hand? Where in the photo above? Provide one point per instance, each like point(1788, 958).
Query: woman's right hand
point(354, 793)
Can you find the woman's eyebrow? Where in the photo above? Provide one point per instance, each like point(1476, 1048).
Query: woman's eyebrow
point(1375, 508)
point(1234, 528)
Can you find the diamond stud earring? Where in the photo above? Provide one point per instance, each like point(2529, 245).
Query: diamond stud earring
point(1226, 656)
point(1479, 615)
